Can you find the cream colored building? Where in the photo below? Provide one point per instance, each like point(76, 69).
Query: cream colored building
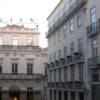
point(68, 70)
point(22, 63)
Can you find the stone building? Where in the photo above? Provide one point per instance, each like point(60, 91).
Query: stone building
point(22, 63)
point(73, 50)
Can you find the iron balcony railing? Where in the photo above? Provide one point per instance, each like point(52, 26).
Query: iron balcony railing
point(69, 60)
point(8, 76)
point(18, 47)
point(71, 86)
point(94, 61)
point(93, 28)
point(66, 15)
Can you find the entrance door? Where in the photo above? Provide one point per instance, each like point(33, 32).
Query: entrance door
point(14, 96)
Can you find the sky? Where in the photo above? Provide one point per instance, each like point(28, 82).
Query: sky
point(26, 9)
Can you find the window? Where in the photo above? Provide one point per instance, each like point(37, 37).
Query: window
point(80, 45)
point(29, 93)
point(29, 41)
point(59, 35)
point(50, 58)
point(65, 74)
point(80, 72)
point(14, 68)
point(72, 73)
point(93, 18)
point(54, 75)
point(59, 54)
point(54, 56)
point(65, 52)
point(95, 77)
point(72, 25)
point(64, 31)
point(50, 76)
point(94, 48)
point(59, 73)
point(1, 66)
point(29, 68)
point(72, 3)
point(72, 48)
point(1, 40)
point(93, 15)
point(54, 38)
point(15, 40)
point(79, 19)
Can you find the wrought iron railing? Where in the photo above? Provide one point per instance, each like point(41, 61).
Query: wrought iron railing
point(66, 15)
point(93, 28)
point(8, 76)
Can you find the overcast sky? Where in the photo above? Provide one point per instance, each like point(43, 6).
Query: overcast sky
point(36, 9)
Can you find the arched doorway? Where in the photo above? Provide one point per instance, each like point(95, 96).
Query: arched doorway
point(14, 92)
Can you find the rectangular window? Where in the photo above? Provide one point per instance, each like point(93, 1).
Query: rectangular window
point(80, 45)
point(1, 40)
point(29, 68)
point(14, 68)
point(79, 19)
point(72, 73)
point(59, 34)
point(64, 31)
point(59, 54)
point(29, 93)
point(54, 75)
point(72, 48)
point(65, 52)
point(29, 41)
point(93, 18)
point(50, 58)
point(94, 48)
point(72, 25)
point(80, 66)
point(15, 40)
point(50, 76)
point(59, 72)
point(93, 15)
point(1, 66)
point(65, 74)
point(54, 56)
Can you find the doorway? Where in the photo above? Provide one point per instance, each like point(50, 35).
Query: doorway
point(14, 95)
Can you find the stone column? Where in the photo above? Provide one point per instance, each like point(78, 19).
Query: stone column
point(57, 95)
point(52, 94)
point(62, 95)
point(76, 95)
point(48, 94)
point(69, 95)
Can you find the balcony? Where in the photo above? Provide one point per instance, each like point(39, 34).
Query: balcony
point(8, 76)
point(69, 59)
point(63, 61)
point(57, 63)
point(94, 61)
point(52, 65)
point(78, 57)
point(66, 15)
point(93, 28)
point(19, 47)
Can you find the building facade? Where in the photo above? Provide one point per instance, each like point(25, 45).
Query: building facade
point(22, 63)
point(73, 68)
point(93, 30)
